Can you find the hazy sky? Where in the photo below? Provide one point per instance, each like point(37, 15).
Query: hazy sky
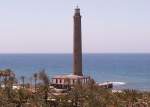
point(46, 26)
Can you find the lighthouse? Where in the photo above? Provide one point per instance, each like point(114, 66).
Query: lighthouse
point(65, 81)
point(77, 44)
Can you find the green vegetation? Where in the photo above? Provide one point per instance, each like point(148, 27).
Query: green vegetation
point(40, 94)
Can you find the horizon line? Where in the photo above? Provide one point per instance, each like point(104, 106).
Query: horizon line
point(82, 53)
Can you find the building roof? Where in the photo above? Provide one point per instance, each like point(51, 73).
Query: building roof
point(71, 76)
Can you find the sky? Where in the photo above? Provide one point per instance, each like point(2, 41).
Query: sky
point(46, 26)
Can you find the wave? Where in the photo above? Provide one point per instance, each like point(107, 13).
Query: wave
point(112, 82)
point(118, 83)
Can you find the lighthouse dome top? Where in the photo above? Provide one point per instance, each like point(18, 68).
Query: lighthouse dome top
point(77, 9)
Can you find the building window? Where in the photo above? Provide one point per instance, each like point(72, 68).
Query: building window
point(73, 81)
point(56, 81)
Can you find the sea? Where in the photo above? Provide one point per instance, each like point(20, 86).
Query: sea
point(125, 71)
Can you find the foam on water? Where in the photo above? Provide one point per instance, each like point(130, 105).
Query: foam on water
point(114, 83)
point(118, 83)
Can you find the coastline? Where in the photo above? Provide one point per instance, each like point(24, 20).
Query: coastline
point(110, 67)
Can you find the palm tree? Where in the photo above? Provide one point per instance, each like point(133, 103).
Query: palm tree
point(35, 80)
point(23, 80)
point(44, 78)
point(6, 74)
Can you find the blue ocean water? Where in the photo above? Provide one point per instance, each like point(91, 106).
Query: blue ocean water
point(133, 69)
